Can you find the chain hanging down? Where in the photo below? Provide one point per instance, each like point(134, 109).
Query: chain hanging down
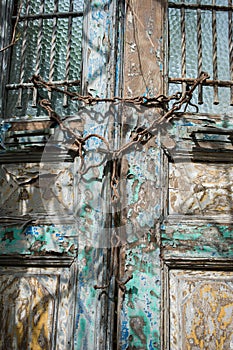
point(141, 136)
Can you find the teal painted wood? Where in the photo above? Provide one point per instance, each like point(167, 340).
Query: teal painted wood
point(39, 240)
point(140, 225)
point(88, 236)
point(141, 304)
point(197, 240)
point(140, 314)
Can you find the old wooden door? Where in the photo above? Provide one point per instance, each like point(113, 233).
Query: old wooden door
point(52, 257)
point(179, 194)
point(131, 246)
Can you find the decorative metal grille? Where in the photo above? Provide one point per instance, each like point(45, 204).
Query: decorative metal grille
point(49, 44)
point(201, 39)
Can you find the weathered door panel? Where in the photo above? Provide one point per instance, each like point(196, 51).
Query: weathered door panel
point(197, 252)
point(200, 309)
point(139, 304)
point(37, 190)
point(37, 200)
point(172, 226)
point(37, 305)
point(200, 189)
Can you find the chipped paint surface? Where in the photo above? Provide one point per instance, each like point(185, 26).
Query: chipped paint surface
point(28, 205)
point(120, 274)
point(197, 189)
point(37, 310)
point(201, 306)
point(200, 239)
point(140, 315)
point(36, 189)
point(140, 326)
point(42, 239)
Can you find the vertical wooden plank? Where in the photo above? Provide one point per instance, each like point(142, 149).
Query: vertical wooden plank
point(140, 313)
point(93, 327)
point(139, 305)
point(143, 61)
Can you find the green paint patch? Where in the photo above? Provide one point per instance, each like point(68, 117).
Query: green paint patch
point(82, 324)
point(141, 331)
point(136, 192)
point(225, 231)
point(141, 308)
point(186, 236)
point(33, 239)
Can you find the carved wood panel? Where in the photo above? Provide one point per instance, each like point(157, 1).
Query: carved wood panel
point(36, 189)
point(200, 189)
point(37, 308)
point(201, 310)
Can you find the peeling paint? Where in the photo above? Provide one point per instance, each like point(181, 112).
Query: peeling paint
point(141, 308)
point(204, 304)
point(170, 226)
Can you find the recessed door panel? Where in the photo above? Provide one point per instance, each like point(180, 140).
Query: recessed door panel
point(201, 309)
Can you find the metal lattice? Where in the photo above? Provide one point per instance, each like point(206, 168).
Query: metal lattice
point(49, 44)
point(200, 39)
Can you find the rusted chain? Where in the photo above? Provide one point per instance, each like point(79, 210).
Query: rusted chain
point(160, 101)
point(98, 136)
point(121, 284)
point(102, 287)
point(141, 135)
point(54, 116)
point(114, 181)
point(79, 141)
point(184, 99)
point(83, 172)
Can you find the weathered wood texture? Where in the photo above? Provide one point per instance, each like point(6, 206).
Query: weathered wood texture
point(140, 313)
point(143, 60)
point(37, 309)
point(171, 227)
point(141, 199)
point(201, 309)
point(36, 218)
point(198, 189)
point(187, 238)
point(36, 189)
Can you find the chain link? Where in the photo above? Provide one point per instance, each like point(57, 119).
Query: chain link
point(141, 136)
